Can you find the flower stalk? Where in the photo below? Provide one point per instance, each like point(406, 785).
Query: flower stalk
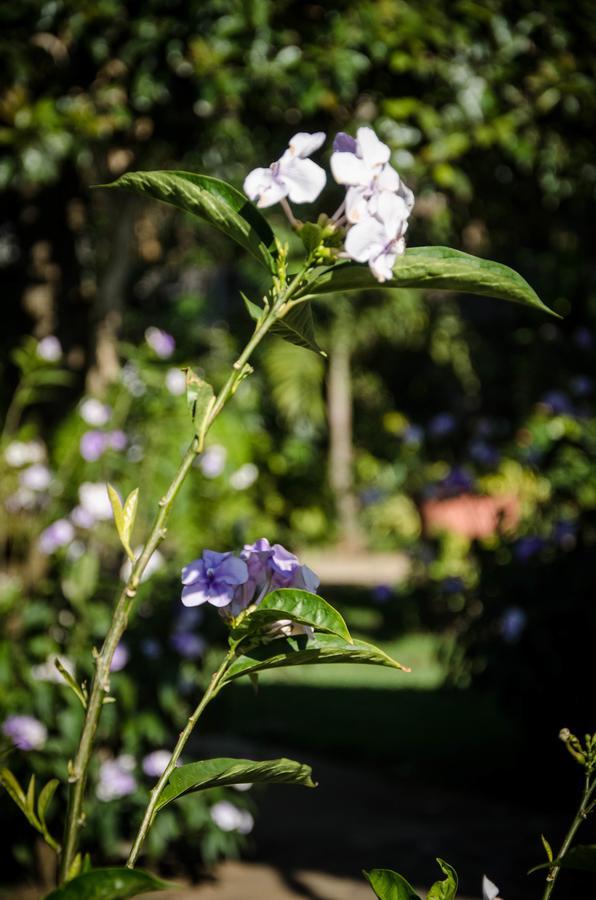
point(78, 769)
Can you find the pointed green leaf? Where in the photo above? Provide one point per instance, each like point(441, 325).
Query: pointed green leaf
point(581, 857)
point(433, 268)
point(45, 798)
point(300, 651)
point(447, 888)
point(13, 788)
point(299, 606)
point(30, 802)
point(200, 399)
point(547, 847)
point(215, 201)
point(298, 327)
point(109, 884)
point(253, 309)
point(129, 515)
point(388, 885)
point(211, 773)
point(72, 683)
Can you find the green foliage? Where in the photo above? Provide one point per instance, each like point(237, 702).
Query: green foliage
point(289, 603)
point(388, 885)
point(34, 809)
point(124, 516)
point(298, 651)
point(109, 884)
point(209, 773)
point(446, 889)
point(200, 399)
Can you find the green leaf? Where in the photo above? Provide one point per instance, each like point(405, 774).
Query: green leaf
point(547, 847)
point(109, 884)
point(118, 511)
point(72, 683)
point(311, 236)
point(30, 803)
point(447, 888)
point(298, 327)
point(581, 857)
point(297, 605)
point(211, 773)
point(433, 268)
point(300, 651)
point(129, 516)
point(45, 798)
point(200, 399)
point(254, 310)
point(13, 788)
point(215, 201)
point(388, 885)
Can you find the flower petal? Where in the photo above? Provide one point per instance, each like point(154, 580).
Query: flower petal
point(303, 178)
point(221, 597)
point(373, 151)
point(388, 179)
point(364, 239)
point(489, 890)
point(233, 571)
point(194, 595)
point(393, 212)
point(344, 143)
point(263, 187)
point(192, 571)
point(356, 204)
point(407, 195)
point(382, 265)
point(303, 143)
point(348, 169)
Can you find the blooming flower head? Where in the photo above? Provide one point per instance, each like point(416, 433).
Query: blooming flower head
point(229, 818)
point(293, 175)
point(93, 445)
point(116, 778)
point(56, 535)
point(378, 239)
point(162, 343)
point(25, 732)
point(213, 579)
point(94, 412)
point(49, 349)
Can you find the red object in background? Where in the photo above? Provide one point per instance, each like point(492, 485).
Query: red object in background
point(471, 515)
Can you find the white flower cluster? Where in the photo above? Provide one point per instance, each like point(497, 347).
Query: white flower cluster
point(377, 205)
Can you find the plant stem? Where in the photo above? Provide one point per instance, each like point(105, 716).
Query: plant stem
point(78, 770)
point(211, 692)
point(584, 809)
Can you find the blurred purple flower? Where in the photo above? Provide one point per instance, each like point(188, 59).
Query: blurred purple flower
point(56, 535)
point(244, 477)
point(190, 646)
point(452, 585)
point(213, 460)
point(120, 658)
point(458, 481)
point(93, 445)
point(344, 143)
point(558, 402)
point(228, 817)
point(162, 343)
point(49, 349)
point(382, 593)
point(527, 547)
point(441, 425)
point(155, 763)
point(116, 778)
point(212, 579)
point(413, 434)
point(565, 533)
point(94, 412)
point(513, 623)
point(117, 439)
point(25, 732)
point(484, 454)
point(584, 339)
point(582, 385)
point(82, 518)
point(151, 648)
point(36, 477)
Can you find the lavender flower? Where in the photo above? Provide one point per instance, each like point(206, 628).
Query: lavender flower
point(189, 646)
point(176, 382)
point(512, 624)
point(82, 518)
point(212, 579)
point(49, 349)
point(120, 658)
point(155, 763)
point(116, 778)
point(56, 535)
point(94, 412)
point(93, 445)
point(228, 817)
point(25, 732)
point(162, 343)
point(293, 175)
point(213, 460)
point(117, 439)
point(36, 477)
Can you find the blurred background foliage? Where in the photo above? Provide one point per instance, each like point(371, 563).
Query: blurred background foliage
point(457, 432)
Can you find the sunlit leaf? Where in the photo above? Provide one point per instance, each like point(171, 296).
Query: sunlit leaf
point(211, 199)
point(446, 889)
point(211, 773)
point(200, 398)
point(299, 606)
point(13, 788)
point(300, 651)
point(109, 884)
point(388, 885)
point(433, 268)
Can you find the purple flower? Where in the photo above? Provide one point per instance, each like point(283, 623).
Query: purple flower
point(56, 535)
point(213, 460)
point(228, 817)
point(512, 624)
point(82, 518)
point(93, 445)
point(413, 434)
point(559, 403)
point(49, 349)
point(120, 658)
point(528, 547)
point(382, 593)
point(212, 579)
point(36, 477)
point(116, 778)
point(483, 453)
point(344, 143)
point(155, 763)
point(162, 343)
point(117, 440)
point(441, 425)
point(190, 646)
point(26, 732)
